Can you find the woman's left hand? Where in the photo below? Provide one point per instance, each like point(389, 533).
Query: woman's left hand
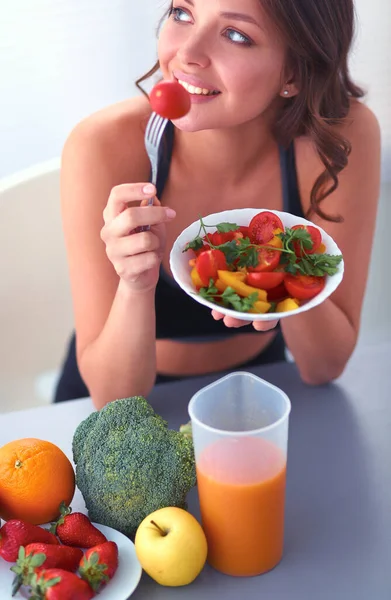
point(231, 322)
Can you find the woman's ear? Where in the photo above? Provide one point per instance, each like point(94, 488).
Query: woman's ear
point(289, 89)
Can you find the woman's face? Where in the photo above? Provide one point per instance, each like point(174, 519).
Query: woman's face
point(229, 48)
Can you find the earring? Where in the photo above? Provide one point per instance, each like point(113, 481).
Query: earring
point(286, 92)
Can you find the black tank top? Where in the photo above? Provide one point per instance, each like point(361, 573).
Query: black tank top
point(177, 315)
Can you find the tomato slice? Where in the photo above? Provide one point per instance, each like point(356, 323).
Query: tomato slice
point(262, 227)
point(208, 263)
point(217, 238)
point(304, 287)
point(265, 280)
point(268, 260)
point(245, 231)
point(170, 100)
point(278, 293)
point(316, 238)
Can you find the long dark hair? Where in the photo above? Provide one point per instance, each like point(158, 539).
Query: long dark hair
point(318, 35)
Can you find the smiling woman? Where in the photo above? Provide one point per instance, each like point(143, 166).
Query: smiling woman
point(275, 123)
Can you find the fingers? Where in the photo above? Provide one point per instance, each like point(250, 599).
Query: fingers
point(132, 268)
point(265, 325)
point(236, 323)
point(132, 218)
point(132, 245)
point(122, 195)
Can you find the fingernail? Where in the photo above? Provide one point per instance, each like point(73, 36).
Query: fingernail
point(170, 213)
point(149, 189)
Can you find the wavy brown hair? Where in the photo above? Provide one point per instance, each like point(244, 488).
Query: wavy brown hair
point(318, 35)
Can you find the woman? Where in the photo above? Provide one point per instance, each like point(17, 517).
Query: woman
point(283, 128)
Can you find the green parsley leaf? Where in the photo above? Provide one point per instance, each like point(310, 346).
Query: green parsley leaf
point(226, 227)
point(230, 297)
point(195, 244)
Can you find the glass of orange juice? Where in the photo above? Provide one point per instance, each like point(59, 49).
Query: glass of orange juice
point(240, 433)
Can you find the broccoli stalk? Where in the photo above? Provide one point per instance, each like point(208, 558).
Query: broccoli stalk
point(129, 464)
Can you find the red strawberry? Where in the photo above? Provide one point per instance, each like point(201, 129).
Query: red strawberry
point(37, 556)
point(57, 584)
point(76, 529)
point(99, 564)
point(17, 533)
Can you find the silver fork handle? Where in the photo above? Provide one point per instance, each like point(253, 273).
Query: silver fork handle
point(153, 180)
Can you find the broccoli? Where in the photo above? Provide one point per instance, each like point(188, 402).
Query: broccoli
point(129, 464)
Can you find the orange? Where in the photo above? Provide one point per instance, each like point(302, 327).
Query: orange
point(35, 477)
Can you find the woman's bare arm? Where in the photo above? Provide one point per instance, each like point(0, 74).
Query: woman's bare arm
point(323, 339)
point(115, 324)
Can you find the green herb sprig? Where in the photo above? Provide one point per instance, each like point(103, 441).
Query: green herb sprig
point(243, 253)
point(316, 265)
point(229, 297)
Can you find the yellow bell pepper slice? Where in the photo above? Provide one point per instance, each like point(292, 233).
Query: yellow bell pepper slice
point(260, 307)
point(233, 280)
point(287, 305)
point(196, 278)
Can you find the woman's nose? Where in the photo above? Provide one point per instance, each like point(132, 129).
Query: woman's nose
point(194, 51)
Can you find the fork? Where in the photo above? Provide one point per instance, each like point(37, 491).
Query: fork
point(152, 138)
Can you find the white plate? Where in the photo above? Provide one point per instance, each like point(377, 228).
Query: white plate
point(179, 261)
point(122, 585)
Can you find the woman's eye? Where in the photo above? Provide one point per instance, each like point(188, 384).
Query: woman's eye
point(237, 37)
point(180, 15)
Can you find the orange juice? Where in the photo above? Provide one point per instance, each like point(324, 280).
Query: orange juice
point(241, 486)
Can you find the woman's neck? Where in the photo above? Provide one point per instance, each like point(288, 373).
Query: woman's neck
point(227, 153)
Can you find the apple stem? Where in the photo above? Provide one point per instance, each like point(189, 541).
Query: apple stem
point(164, 533)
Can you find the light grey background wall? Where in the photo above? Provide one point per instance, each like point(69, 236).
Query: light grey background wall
point(60, 60)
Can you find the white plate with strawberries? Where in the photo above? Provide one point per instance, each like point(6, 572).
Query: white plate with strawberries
point(120, 587)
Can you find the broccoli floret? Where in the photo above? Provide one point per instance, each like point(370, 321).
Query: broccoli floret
point(129, 464)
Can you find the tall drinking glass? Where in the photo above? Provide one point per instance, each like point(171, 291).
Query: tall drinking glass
point(240, 433)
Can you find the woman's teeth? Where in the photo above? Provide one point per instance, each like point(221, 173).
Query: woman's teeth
point(197, 90)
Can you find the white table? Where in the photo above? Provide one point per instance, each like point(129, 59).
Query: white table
point(338, 515)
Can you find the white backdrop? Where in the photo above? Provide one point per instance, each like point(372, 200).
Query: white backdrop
point(60, 60)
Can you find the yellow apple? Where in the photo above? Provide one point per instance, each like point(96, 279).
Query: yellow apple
point(171, 546)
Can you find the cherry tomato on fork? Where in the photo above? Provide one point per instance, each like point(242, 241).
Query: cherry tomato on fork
point(170, 100)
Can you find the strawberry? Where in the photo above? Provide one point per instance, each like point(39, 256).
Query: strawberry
point(76, 529)
point(37, 556)
point(57, 584)
point(15, 533)
point(99, 564)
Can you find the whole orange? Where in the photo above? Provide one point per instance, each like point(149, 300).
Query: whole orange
point(35, 477)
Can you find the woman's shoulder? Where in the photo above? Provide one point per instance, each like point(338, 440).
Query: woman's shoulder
point(360, 128)
point(359, 121)
point(113, 134)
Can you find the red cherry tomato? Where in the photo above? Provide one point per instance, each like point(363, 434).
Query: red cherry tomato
point(304, 287)
point(278, 293)
point(217, 238)
point(170, 100)
point(262, 226)
point(245, 231)
point(268, 260)
point(316, 238)
point(265, 280)
point(208, 263)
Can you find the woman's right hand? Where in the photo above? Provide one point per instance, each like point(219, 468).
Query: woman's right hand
point(136, 255)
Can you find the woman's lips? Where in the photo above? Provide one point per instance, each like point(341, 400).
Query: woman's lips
point(194, 83)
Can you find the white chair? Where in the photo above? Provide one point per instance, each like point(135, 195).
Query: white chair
point(35, 302)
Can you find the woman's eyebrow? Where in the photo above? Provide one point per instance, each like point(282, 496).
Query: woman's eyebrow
point(240, 17)
point(233, 15)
